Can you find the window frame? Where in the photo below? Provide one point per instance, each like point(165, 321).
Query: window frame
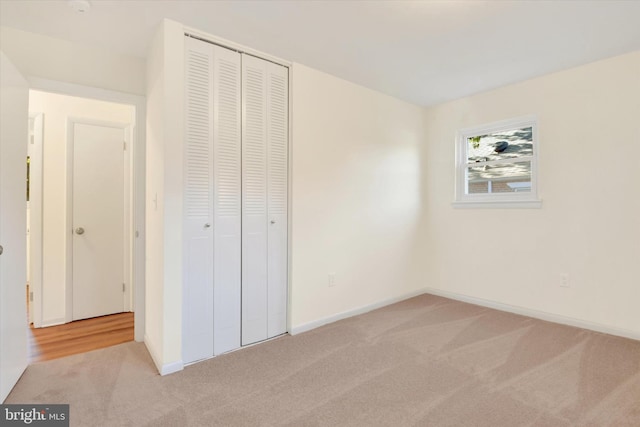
point(514, 199)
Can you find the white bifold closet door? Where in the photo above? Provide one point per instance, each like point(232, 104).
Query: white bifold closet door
point(212, 282)
point(264, 199)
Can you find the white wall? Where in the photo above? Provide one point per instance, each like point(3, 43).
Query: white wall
point(13, 151)
point(37, 55)
point(163, 291)
point(154, 207)
point(356, 197)
point(57, 109)
point(589, 224)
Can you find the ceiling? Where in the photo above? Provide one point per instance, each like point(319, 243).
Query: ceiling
point(425, 52)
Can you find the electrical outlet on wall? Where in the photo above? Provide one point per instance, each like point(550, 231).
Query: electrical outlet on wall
point(332, 279)
point(564, 280)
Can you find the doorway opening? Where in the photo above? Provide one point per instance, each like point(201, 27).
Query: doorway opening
point(80, 224)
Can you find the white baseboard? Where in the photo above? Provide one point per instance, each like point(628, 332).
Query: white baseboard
point(163, 369)
point(170, 368)
point(537, 314)
point(354, 312)
point(53, 322)
point(152, 352)
point(542, 315)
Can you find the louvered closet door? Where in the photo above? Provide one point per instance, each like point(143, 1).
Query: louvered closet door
point(227, 200)
point(264, 209)
point(212, 229)
point(277, 179)
point(198, 234)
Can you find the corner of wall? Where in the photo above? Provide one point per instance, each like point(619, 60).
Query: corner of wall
point(173, 186)
point(154, 235)
point(587, 229)
point(164, 191)
point(163, 368)
point(356, 198)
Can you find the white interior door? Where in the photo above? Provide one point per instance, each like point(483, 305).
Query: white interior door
point(227, 200)
point(264, 209)
point(277, 197)
point(212, 225)
point(197, 325)
point(98, 219)
point(254, 200)
point(14, 105)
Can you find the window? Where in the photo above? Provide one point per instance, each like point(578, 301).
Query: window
point(496, 165)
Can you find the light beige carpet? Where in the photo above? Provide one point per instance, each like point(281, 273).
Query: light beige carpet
point(427, 361)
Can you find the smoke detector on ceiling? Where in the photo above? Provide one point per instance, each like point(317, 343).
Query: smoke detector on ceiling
point(79, 6)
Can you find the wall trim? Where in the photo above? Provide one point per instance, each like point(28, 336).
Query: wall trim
point(496, 204)
point(53, 322)
point(203, 35)
point(166, 369)
point(152, 352)
point(354, 312)
point(73, 89)
point(290, 206)
point(529, 312)
point(171, 368)
point(36, 151)
point(537, 314)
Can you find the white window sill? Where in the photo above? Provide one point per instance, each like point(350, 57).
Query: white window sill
point(497, 204)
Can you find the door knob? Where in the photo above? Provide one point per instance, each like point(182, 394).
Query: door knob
point(273, 221)
point(79, 230)
point(1, 249)
point(207, 225)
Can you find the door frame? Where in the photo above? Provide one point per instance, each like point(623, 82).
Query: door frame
point(127, 129)
point(35, 220)
point(138, 175)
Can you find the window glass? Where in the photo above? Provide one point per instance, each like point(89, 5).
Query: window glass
point(499, 178)
point(500, 145)
point(497, 163)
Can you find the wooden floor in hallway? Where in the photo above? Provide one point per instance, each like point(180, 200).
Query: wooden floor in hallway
point(79, 336)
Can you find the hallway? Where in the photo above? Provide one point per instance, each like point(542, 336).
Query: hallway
point(80, 336)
